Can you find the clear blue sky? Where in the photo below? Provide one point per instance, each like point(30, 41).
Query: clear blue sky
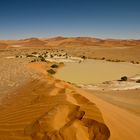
point(45, 18)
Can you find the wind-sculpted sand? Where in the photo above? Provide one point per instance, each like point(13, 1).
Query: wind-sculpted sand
point(49, 109)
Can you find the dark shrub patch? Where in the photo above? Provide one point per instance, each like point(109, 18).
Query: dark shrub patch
point(51, 71)
point(33, 60)
point(54, 66)
point(42, 58)
point(132, 62)
point(29, 55)
point(138, 81)
point(124, 78)
point(34, 52)
point(51, 56)
point(83, 57)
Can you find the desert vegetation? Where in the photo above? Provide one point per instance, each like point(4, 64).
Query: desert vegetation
point(124, 78)
point(83, 57)
point(133, 62)
point(138, 81)
point(51, 71)
point(54, 66)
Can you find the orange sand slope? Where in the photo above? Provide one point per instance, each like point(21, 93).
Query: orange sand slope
point(123, 124)
point(49, 109)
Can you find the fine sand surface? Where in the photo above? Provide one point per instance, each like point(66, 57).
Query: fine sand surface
point(49, 109)
point(126, 99)
point(13, 73)
point(123, 124)
point(96, 71)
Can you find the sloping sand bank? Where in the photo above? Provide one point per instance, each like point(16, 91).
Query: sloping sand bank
point(49, 109)
point(123, 125)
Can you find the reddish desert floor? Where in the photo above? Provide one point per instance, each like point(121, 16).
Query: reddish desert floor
point(36, 106)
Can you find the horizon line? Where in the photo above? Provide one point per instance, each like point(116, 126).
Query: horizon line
point(55, 36)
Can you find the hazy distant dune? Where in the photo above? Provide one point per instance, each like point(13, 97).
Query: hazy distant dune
point(3, 45)
point(73, 42)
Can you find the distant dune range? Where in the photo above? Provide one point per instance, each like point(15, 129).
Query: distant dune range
point(116, 49)
point(71, 42)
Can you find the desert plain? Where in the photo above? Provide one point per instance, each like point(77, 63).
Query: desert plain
point(36, 104)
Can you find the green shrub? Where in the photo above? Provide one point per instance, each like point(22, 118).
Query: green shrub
point(29, 55)
point(54, 66)
point(124, 78)
point(83, 57)
point(51, 71)
point(51, 56)
point(34, 52)
point(132, 62)
point(42, 58)
point(118, 60)
point(33, 60)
